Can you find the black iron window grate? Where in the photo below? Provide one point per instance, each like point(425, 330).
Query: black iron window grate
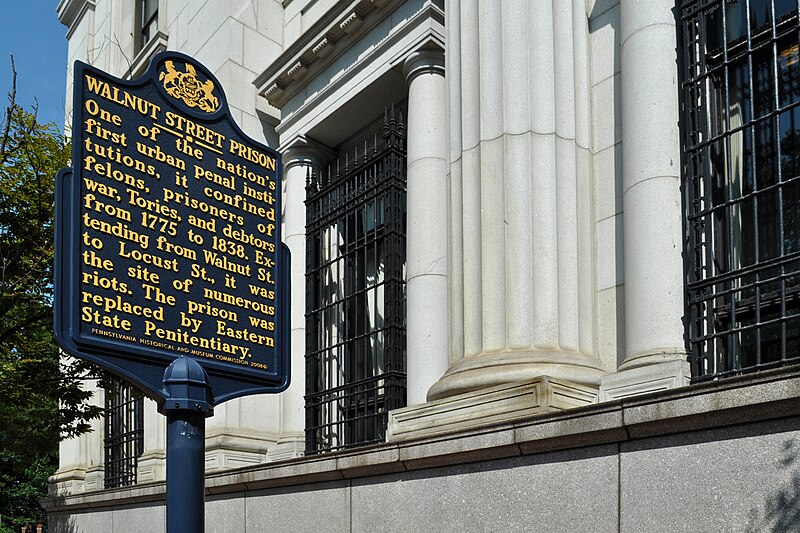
point(741, 158)
point(124, 433)
point(355, 301)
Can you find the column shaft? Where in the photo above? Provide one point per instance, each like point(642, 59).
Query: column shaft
point(294, 236)
point(301, 156)
point(455, 199)
point(651, 185)
point(522, 293)
point(426, 239)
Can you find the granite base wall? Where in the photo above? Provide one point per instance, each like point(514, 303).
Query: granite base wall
point(722, 456)
point(737, 478)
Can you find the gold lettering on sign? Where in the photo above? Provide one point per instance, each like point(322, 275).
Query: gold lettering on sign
point(178, 224)
point(122, 97)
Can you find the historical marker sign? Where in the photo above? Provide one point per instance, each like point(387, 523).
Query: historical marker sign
point(168, 240)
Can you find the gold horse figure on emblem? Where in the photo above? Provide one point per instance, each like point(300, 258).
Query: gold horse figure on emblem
point(185, 86)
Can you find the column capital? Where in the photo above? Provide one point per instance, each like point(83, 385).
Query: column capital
point(303, 151)
point(635, 16)
point(423, 61)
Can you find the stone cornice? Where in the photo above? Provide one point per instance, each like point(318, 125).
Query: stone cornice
point(326, 40)
point(422, 30)
point(70, 12)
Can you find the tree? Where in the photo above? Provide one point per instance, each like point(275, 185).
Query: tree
point(41, 399)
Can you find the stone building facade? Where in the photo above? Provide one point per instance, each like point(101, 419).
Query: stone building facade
point(595, 266)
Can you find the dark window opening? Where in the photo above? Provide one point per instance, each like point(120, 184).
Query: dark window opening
point(355, 297)
point(124, 433)
point(741, 132)
point(147, 22)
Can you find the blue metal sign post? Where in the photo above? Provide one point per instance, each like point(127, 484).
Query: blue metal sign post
point(170, 271)
point(186, 408)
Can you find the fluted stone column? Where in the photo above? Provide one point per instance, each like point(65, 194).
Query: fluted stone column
point(300, 156)
point(426, 239)
point(521, 272)
point(655, 354)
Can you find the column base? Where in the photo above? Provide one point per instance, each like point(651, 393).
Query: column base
point(151, 466)
point(288, 447)
point(644, 379)
point(489, 370)
point(494, 405)
point(653, 357)
point(67, 482)
point(229, 450)
point(95, 478)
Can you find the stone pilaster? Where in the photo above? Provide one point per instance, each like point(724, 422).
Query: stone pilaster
point(521, 272)
point(80, 459)
point(152, 463)
point(426, 238)
point(70, 478)
point(655, 354)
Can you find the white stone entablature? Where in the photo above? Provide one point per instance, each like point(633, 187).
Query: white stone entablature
point(354, 84)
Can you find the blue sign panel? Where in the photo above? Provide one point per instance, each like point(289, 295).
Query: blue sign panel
point(168, 234)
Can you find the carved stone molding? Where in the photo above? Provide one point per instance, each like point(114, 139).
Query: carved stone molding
point(319, 47)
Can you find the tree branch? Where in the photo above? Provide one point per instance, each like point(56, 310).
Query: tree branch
point(12, 97)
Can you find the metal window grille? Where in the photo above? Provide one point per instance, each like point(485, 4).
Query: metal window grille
point(355, 301)
point(741, 159)
point(124, 434)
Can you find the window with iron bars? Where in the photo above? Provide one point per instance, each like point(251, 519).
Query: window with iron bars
point(741, 159)
point(124, 433)
point(355, 299)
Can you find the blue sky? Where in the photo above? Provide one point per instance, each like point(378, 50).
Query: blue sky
point(31, 31)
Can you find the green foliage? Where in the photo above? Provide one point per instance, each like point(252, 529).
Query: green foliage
point(22, 485)
point(41, 399)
